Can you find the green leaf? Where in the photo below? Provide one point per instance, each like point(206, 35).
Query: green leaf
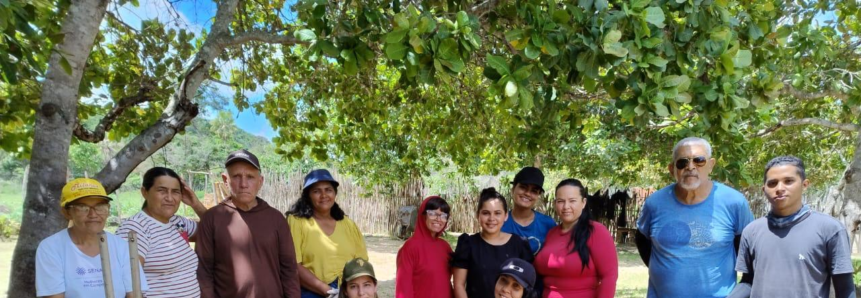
point(525, 100)
point(742, 59)
point(739, 102)
point(532, 52)
point(513, 35)
point(65, 64)
point(395, 51)
point(561, 16)
point(638, 4)
point(455, 65)
point(498, 63)
point(510, 88)
point(655, 16)
point(551, 49)
point(590, 85)
point(727, 62)
point(601, 5)
point(447, 49)
point(585, 4)
point(612, 36)
point(396, 36)
point(328, 48)
point(426, 24)
point(523, 72)
point(401, 21)
point(676, 81)
point(683, 97)
point(615, 49)
point(305, 35)
point(462, 18)
point(657, 61)
point(661, 110)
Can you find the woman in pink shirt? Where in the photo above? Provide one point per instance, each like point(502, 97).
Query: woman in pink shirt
point(579, 256)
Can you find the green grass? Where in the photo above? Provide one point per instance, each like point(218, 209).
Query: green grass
point(11, 200)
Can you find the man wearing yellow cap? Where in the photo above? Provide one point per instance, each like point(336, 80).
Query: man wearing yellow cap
point(68, 263)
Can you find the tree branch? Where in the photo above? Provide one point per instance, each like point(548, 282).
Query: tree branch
point(98, 134)
point(668, 123)
point(261, 36)
point(112, 16)
point(803, 95)
point(850, 127)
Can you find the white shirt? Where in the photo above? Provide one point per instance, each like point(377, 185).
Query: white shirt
point(63, 268)
point(170, 263)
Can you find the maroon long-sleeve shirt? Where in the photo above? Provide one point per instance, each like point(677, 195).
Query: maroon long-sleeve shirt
point(246, 253)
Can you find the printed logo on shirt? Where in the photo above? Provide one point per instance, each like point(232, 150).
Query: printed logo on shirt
point(80, 271)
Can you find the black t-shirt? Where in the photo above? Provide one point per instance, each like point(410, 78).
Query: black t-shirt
point(483, 261)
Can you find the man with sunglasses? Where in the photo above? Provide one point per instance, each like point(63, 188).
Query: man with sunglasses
point(688, 232)
point(793, 251)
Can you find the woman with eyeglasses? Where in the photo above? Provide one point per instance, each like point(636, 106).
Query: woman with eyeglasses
point(163, 237)
point(579, 256)
point(477, 258)
point(423, 261)
point(68, 263)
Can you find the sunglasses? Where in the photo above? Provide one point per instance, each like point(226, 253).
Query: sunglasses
point(699, 161)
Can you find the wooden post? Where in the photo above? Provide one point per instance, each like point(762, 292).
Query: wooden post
point(134, 261)
point(106, 265)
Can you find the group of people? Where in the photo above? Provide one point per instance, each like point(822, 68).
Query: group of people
point(692, 235)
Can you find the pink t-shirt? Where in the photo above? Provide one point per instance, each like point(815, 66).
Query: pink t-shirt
point(563, 272)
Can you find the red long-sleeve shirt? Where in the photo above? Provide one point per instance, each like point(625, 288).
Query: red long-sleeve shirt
point(561, 269)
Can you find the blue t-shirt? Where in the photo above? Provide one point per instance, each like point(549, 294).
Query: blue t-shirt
point(692, 245)
point(534, 233)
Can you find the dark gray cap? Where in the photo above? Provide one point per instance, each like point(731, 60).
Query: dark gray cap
point(242, 155)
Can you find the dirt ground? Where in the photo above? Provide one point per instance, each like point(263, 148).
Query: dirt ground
point(383, 253)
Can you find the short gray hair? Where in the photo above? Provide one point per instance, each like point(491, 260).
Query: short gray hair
point(786, 160)
point(689, 141)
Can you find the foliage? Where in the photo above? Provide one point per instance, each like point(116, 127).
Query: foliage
point(8, 228)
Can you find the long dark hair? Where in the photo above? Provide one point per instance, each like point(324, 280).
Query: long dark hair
point(150, 176)
point(583, 226)
point(488, 194)
point(305, 209)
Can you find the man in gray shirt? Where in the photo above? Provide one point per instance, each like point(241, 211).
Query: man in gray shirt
point(793, 251)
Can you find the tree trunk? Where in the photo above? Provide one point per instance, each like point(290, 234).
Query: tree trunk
point(179, 112)
point(55, 119)
point(847, 194)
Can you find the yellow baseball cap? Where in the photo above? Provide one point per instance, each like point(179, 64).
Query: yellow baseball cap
point(82, 188)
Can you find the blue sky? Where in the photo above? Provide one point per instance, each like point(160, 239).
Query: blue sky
point(196, 15)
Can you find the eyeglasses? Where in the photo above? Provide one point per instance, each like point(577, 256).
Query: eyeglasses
point(100, 209)
point(437, 214)
point(699, 161)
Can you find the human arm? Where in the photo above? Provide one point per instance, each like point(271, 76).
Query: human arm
point(311, 282)
point(644, 247)
point(404, 277)
point(744, 264)
point(459, 262)
point(288, 267)
point(205, 249)
point(141, 237)
point(841, 268)
point(606, 261)
point(190, 198)
point(460, 283)
point(844, 285)
point(50, 281)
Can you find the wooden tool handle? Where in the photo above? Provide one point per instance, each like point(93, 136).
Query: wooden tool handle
point(106, 265)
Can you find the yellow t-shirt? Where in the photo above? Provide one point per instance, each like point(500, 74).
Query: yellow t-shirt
point(325, 256)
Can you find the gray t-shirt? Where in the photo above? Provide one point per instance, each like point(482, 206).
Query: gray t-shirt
point(797, 260)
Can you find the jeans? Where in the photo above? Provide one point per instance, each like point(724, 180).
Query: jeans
point(309, 294)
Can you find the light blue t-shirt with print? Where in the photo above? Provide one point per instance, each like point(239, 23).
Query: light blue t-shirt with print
point(534, 233)
point(693, 254)
point(63, 268)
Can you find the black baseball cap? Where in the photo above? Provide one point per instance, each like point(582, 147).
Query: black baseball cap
point(521, 271)
point(242, 155)
point(530, 175)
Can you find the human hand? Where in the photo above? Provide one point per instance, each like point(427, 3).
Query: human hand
point(188, 196)
point(333, 293)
